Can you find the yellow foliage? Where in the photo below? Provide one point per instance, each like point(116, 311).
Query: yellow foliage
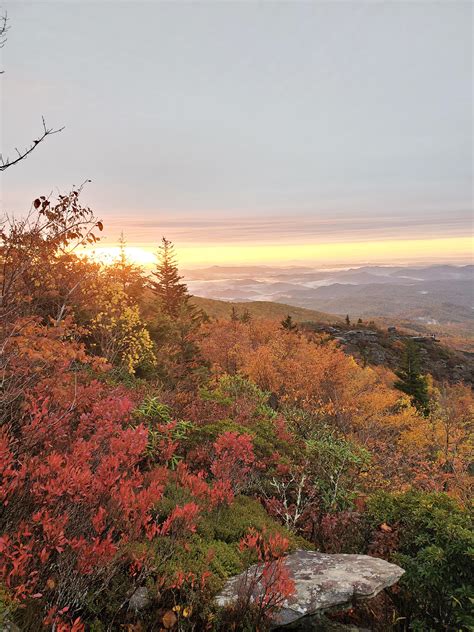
point(119, 332)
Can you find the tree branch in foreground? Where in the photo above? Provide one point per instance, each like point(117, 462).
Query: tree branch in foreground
point(5, 163)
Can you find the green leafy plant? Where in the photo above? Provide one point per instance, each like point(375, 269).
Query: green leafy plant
point(162, 429)
point(334, 464)
point(434, 544)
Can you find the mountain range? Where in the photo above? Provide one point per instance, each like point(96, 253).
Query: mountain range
point(432, 295)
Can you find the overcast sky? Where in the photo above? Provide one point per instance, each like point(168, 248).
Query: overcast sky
point(246, 122)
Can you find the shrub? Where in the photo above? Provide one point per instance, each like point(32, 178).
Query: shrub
point(264, 586)
point(434, 545)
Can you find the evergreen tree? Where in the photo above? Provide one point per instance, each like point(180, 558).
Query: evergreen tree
point(348, 320)
point(360, 321)
point(234, 316)
point(177, 323)
point(410, 380)
point(166, 285)
point(288, 324)
point(246, 317)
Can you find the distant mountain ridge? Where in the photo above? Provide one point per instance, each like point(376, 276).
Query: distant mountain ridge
point(435, 295)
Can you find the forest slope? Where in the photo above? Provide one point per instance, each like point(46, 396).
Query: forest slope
point(262, 309)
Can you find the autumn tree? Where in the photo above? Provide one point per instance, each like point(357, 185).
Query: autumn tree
point(39, 267)
point(40, 279)
point(452, 420)
point(118, 332)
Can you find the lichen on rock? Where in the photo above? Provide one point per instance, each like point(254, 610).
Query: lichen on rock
point(324, 581)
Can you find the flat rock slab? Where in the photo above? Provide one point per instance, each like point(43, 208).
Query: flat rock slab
point(318, 623)
point(322, 581)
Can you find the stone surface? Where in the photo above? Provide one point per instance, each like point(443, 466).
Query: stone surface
point(323, 581)
point(320, 623)
point(8, 626)
point(140, 599)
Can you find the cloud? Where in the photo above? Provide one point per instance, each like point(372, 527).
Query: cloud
point(291, 229)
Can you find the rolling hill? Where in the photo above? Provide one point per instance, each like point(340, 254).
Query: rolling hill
point(263, 309)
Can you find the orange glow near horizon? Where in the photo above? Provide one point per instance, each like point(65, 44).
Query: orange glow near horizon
point(140, 255)
point(450, 248)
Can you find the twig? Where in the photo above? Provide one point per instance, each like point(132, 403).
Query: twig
point(4, 164)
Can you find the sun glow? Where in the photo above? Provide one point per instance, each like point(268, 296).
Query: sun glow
point(320, 253)
point(108, 255)
point(449, 248)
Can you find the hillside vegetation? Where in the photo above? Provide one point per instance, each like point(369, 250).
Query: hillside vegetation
point(376, 342)
point(262, 309)
point(148, 452)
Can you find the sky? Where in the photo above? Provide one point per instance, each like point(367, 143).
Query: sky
point(249, 132)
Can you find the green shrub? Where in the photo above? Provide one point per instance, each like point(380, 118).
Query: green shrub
point(7, 606)
point(435, 547)
point(154, 413)
point(230, 388)
point(232, 523)
point(335, 466)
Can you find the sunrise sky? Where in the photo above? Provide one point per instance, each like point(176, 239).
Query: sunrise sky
point(250, 132)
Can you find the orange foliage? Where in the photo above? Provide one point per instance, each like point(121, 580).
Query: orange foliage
point(318, 376)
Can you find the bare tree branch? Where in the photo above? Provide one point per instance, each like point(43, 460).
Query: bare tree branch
point(3, 32)
point(5, 163)
point(21, 155)
point(3, 29)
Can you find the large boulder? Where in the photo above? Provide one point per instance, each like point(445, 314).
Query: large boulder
point(322, 582)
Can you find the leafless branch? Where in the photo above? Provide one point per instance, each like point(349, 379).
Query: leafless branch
point(3, 29)
point(3, 32)
point(21, 155)
point(5, 163)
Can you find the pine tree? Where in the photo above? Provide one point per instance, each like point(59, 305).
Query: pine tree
point(288, 324)
point(234, 316)
point(348, 320)
point(177, 323)
point(166, 285)
point(246, 317)
point(410, 380)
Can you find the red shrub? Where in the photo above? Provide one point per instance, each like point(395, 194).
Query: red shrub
point(267, 584)
point(234, 458)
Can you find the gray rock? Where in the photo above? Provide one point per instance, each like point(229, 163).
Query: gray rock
point(139, 600)
point(8, 626)
point(322, 581)
point(320, 623)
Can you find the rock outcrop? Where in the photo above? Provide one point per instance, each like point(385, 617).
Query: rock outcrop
point(140, 599)
point(323, 582)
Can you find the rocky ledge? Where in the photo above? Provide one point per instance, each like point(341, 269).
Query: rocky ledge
point(322, 582)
